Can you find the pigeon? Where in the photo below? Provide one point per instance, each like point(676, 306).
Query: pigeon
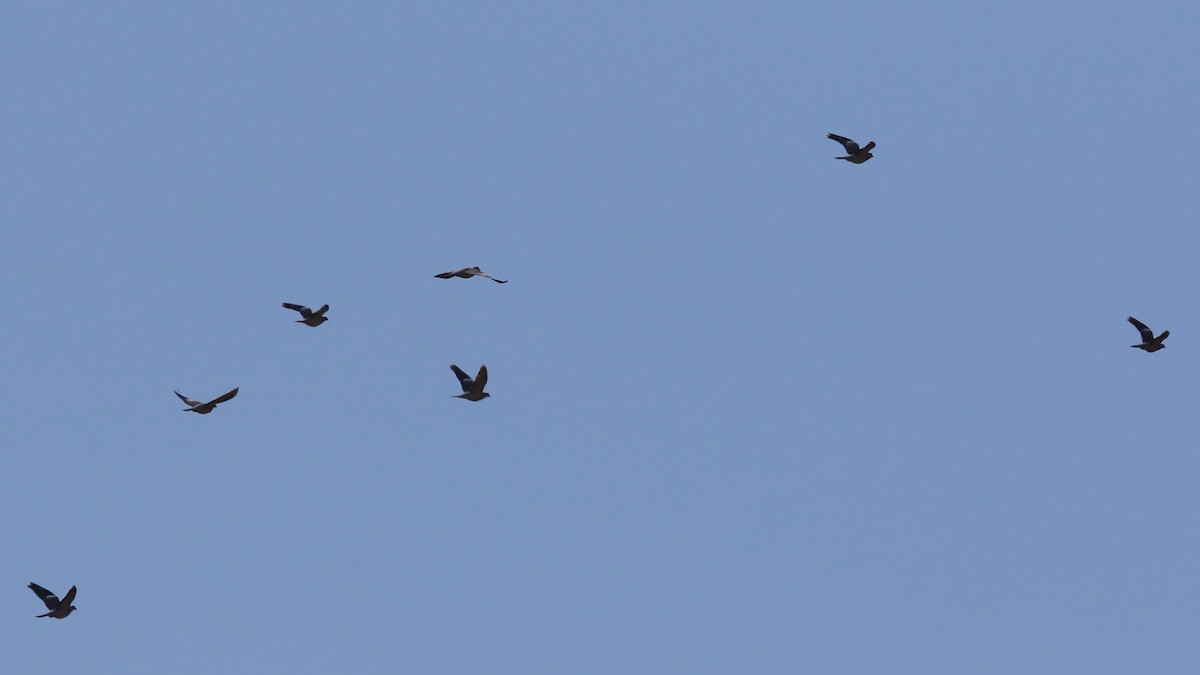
point(311, 318)
point(854, 153)
point(1149, 342)
point(205, 408)
point(472, 389)
point(467, 273)
point(59, 609)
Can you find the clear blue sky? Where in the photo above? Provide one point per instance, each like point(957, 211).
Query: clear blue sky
point(754, 410)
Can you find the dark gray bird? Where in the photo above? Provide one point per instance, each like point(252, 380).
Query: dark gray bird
point(1149, 342)
point(205, 408)
point(854, 153)
point(59, 609)
point(472, 389)
point(467, 273)
point(311, 318)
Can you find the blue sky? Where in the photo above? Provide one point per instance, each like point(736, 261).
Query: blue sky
point(754, 410)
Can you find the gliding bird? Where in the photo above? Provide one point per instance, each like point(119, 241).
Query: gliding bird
point(205, 408)
point(472, 389)
point(854, 154)
point(311, 318)
point(467, 273)
point(1149, 342)
point(59, 609)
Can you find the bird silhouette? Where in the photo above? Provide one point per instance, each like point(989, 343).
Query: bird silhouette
point(467, 273)
point(472, 389)
point(205, 408)
point(854, 153)
point(311, 318)
point(1149, 342)
point(59, 609)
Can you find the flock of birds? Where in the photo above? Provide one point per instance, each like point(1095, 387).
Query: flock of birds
point(472, 390)
point(472, 387)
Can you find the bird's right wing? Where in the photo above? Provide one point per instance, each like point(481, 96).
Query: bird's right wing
point(320, 312)
point(186, 399)
point(304, 311)
point(1147, 334)
point(851, 146)
point(481, 379)
point(69, 597)
point(464, 380)
point(50, 599)
point(224, 397)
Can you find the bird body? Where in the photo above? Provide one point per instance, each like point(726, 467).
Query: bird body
point(205, 408)
point(310, 318)
point(467, 273)
point(59, 609)
point(472, 389)
point(854, 154)
point(1149, 342)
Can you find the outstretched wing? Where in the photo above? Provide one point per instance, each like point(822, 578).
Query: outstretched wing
point(320, 312)
point(464, 380)
point(1163, 336)
point(304, 311)
point(69, 597)
point(186, 399)
point(480, 380)
point(488, 276)
point(851, 147)
point(224, 397)
point(869, 147)
point(1147, 334)
point(47, 597)
point(451, 275)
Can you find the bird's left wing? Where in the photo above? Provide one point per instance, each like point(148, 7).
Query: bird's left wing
point(464, 380)
point(304, 311)
point(851, 146)
point(50, 599)
point(1147, 334)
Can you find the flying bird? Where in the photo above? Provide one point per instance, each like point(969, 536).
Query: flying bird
point(1149, 342)
point(59, 609)
point(472, 389)
point(205, 408)
point(311, 318)
point(467, 273)
point(854, 153)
